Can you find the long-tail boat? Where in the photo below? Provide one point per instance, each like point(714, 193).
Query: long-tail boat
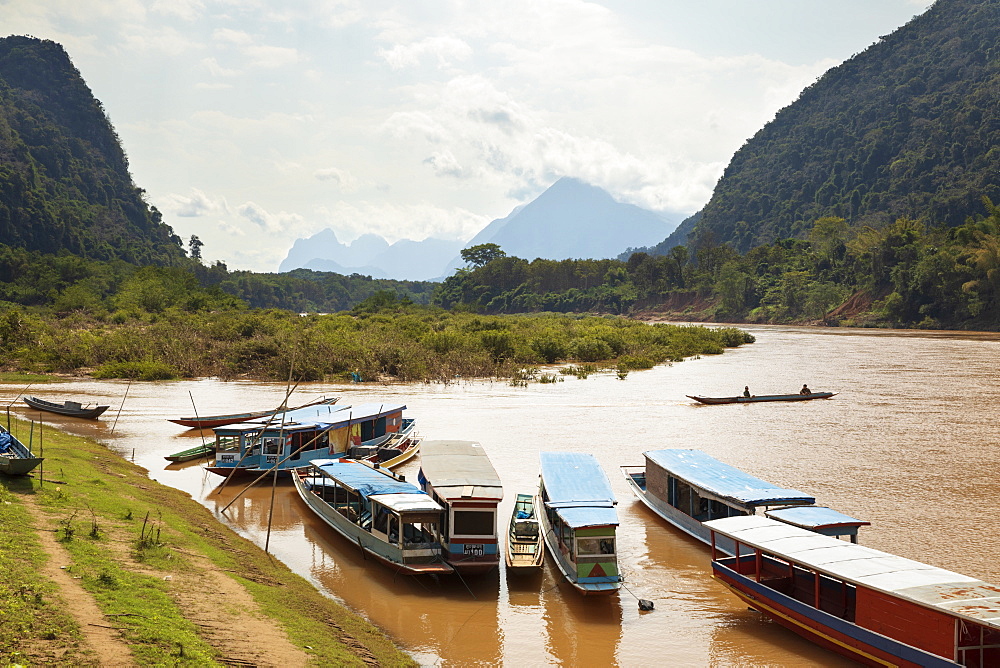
point(460, 476)
point(576, 508)
point(69, 408)
point(688, 487)
point(377, 511)
point(761, 397)
point(871, 606)
point(525, 547)
point(213, 421)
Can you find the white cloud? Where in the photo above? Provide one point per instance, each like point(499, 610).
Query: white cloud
point(445, 50)
point(273, 223)
point(394, 222)
point(216, 70)
point(187, 10)
point(195, 205)
point(343, 179)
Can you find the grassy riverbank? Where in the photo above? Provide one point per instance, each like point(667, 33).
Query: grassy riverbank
point(176, 586)
point(380, 340)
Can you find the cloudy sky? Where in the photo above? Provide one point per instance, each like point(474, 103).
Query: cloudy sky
point(251, 123)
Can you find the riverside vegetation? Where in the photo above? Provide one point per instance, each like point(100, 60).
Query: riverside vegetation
point(144, 553)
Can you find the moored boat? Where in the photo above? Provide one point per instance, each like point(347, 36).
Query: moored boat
point(576, 509)
point(213, 421)
point(197, 452)
point(387, 517)
point(69, 408)
point(297, 437)
point(15, 457)
point(762, 397)
point(689, 487)
point(871, 606)
point(460, 476)
point(525, 547)
point(391, 449)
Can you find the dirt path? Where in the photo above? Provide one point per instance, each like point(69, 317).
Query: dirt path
point(227, 616)
point(98, 630)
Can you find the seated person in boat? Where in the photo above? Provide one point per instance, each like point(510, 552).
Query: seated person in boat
point(805, 389)
point(746, 391)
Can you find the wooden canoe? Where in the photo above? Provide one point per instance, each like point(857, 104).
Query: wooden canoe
point(70, 408)
point(762, 397)
point(525, 547)
point(213, 421)
point(190, 454)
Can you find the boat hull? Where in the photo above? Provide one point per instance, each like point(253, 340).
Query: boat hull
point(18, 465)
point(524, 553)
point(191, 454)
point(824, 629)
point(761, 398)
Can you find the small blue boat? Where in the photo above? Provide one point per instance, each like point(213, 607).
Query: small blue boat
point(690, 487)
point(579, 520)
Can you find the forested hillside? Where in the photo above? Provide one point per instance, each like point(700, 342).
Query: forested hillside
point(64, 179)
point(908, 128)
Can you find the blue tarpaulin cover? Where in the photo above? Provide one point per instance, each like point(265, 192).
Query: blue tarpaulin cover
point(814, 517)
point(708, 473)
point(364, 480)
point(578, 489)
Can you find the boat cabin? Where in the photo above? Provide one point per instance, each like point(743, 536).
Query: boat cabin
point(579, 520)
point(460, 476)
point(872, 606)
point(293, 439)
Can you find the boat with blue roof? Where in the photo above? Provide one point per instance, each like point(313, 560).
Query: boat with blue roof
point(389, 519)
point(689, 487)
point(579, 521)
point(292, 439)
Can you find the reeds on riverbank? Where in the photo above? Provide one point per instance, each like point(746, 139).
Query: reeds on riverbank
point(407, 343)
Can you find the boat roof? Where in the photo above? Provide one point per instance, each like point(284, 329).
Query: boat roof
point(578, 489)
point(814, 517)
point(365, 480)
point(459, 470)
point(408, 503)
point(334, 416)
point(929, 586)
point(724, 481)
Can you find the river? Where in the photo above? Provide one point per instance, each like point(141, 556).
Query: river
point(909, 443)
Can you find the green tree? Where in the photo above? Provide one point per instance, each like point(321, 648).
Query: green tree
point(482, 254)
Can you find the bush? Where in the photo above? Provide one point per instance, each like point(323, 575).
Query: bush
point(136, 371)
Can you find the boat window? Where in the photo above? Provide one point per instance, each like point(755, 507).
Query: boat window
point(393, 530)
point(595, 546)
point(473, 523)
point(978, 645)
point(271, 445)
point(381, 519)
point(416, 535)
point(227, 444)
point(682, 497)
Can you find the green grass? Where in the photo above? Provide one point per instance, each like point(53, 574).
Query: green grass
point(115, 522)
point(18, 377)
point(30, 607)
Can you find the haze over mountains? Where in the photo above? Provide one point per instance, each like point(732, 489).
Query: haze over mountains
point(571, 219)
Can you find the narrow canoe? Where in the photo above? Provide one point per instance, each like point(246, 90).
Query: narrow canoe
point(70, 408)
point(762, 397)
point(212, 421)
point(525, 548)
point(196, 452)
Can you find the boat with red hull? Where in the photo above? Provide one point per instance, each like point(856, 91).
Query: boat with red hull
point(873, 607)
point(213, 421)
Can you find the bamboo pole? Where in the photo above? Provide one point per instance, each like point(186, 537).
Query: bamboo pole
point(115, 423)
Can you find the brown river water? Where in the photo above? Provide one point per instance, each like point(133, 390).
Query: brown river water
point(910, 443)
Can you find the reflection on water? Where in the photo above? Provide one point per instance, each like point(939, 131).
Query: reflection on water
point(909, 443)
